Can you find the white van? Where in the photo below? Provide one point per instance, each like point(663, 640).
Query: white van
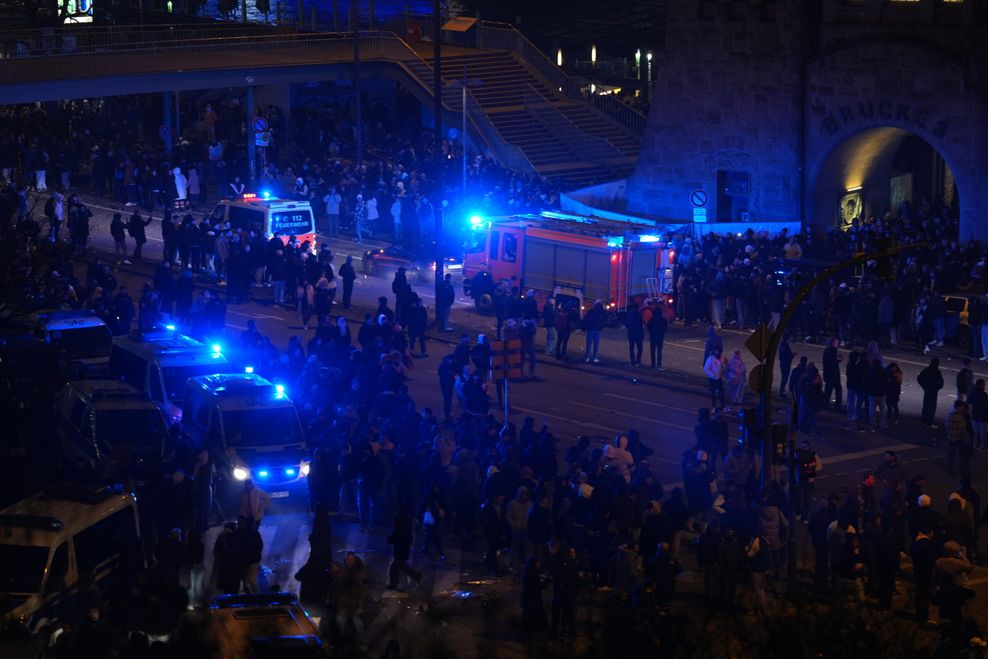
point(268, 217)
point(82, 336)
point(251, 429)
point(159, 363)
point(51, 540)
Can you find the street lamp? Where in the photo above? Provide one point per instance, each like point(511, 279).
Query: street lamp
point(593, 54)
point(559, 57)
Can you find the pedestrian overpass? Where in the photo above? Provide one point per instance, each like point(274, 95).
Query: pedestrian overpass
point(525, 109)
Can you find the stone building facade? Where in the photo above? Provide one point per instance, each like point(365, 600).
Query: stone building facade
point(781, 110)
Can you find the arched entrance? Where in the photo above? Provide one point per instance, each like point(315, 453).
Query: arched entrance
point(880, 170)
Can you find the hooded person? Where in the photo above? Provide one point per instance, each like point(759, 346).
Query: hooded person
point(181, 184)
point(619, 457)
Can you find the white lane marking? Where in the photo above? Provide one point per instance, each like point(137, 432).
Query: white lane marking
point(654, 404)
point(867, 453)
point(255, 315)
point(588, 424)
point(630, 416)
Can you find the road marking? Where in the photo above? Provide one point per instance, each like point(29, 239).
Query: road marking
point(878, 450)
point(630, 416)
point(588, 424)
point(256, 315)
point(235, 326)
point(648, 402)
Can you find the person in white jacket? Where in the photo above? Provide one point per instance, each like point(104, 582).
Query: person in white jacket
point(619, 457)
point(713, 368)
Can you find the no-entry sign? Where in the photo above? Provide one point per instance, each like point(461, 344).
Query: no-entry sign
point(698, 198)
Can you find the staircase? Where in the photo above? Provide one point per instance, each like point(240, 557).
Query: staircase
point(498, 81)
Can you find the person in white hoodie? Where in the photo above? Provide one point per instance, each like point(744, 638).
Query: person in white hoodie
point(619, 457)
point(713, 368)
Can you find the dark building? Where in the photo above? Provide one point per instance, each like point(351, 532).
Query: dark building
point(819, 111)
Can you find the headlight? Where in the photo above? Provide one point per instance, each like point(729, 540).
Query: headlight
point(304, 469)
point(241, 474)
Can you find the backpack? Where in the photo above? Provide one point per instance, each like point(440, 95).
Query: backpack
point(562, 321)
point(762, 561)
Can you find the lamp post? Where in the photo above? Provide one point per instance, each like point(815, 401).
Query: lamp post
point(437, 91)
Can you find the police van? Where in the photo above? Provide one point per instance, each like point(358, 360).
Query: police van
point(82, 336)
point(160, 362)
point(55, 542)
point(106, 424)
point(268, 217)
point(264, 625)
point(252, 431)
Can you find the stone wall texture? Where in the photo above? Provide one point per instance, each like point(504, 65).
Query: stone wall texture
point(735, 80)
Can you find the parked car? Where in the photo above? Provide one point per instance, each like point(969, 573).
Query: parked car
point(418, 261)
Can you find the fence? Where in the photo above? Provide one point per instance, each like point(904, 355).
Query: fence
point(587, 147)
point(504, 36)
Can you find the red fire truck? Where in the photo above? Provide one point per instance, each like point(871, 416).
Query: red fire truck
point(572, 257)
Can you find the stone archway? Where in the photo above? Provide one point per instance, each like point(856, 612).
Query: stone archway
point(874, 171)
point(862, 100)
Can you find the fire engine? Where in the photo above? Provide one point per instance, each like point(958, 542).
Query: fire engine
point(572, 257)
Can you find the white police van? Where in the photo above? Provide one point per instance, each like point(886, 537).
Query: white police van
point(160, 362)
point(83, 337)
point(252, 430)
point(56, 541)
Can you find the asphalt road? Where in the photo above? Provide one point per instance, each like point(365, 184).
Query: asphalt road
point(599, 400)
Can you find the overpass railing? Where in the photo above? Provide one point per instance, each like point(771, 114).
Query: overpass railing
point(504, 36)
point(591, 148)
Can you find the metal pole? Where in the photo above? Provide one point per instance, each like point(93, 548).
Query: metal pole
point(463, 135)
point(251, 138)
point(299, 12)
point(313, 17)
point(336, 16)
point(178, 118)
point(507, 406)
point(370, 8)
point(358, 109)
point(166, 102)
point(437, 90)
point(243, 9)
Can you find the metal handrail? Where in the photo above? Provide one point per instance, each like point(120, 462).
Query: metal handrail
point(505, 36)
point(628, 117)
point(593, 148)
point(510, 155)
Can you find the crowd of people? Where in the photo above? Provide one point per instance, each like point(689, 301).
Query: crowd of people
point(567, 518)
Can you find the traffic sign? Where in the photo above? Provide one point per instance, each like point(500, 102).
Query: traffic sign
point(263, 139)
point(700, 215)
point(698, 198)
point(260, 124)
point(506, 359)
point(757, 343)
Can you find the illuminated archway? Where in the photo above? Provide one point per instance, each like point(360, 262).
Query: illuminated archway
point(877, 170)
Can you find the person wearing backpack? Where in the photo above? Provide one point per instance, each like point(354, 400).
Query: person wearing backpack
point(564, 325)
point(758, 554)
point(136, 227)
point(707, 556)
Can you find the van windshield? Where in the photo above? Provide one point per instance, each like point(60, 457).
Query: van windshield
point(84, 342)
point(262, 427)
point(175, 377)
point(140, 429)
point(21, 568)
